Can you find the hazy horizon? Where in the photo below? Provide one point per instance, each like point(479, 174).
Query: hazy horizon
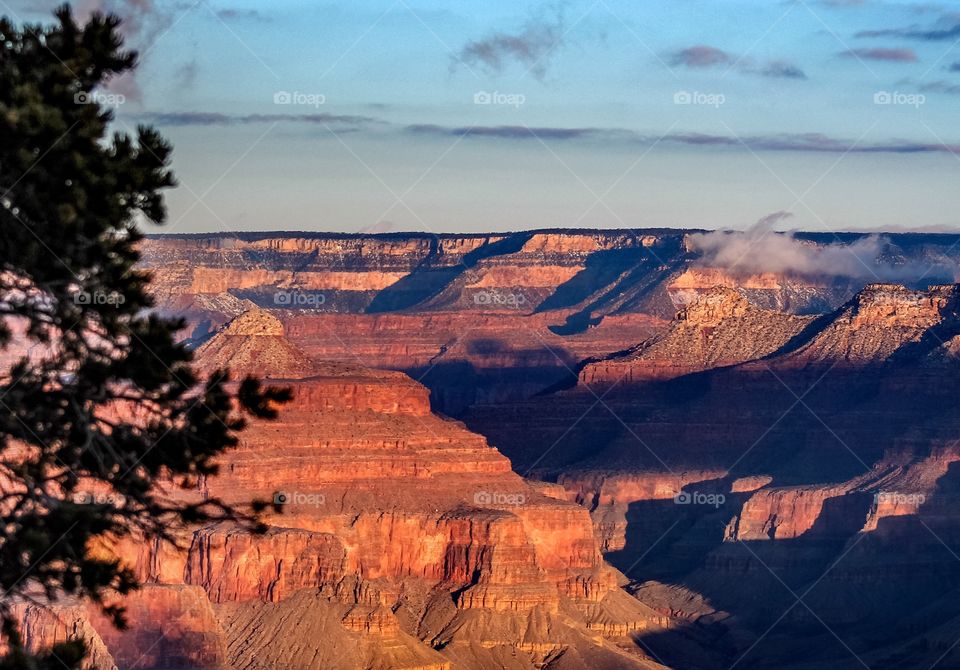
point(607, 114)
point(160, 231)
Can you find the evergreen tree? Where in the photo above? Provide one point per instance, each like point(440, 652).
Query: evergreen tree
point(70, 195)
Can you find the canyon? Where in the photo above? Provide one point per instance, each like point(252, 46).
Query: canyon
point(560, 449)
point(398, 540)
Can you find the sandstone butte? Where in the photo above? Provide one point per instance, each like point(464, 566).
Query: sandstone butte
point(700, 371)
point(479, 318)
point(405, 541)
point(810, 422)
point(828, 445)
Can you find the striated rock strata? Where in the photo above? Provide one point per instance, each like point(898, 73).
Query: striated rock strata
point(485, 318)
point(821, 463)
point(403, 541)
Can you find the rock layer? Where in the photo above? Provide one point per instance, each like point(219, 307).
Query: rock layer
point(477, 318)
point(725, 439)
point(399, 535)
point(821, 464)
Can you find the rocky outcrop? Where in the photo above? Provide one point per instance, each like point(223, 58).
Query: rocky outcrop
point(42, 627)
point(171, 626)
point(876, 323)
point(719, 328)
point(478, 319)
point(272, 353)
point(232, 565)
point(819, 464)
point(397, 534)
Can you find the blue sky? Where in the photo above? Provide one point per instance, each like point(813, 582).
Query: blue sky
point(459, 116)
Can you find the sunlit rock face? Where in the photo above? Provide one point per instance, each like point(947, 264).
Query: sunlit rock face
point(713, 434)
point(703, 337)
point(743, 450)
point(487, 318)
point(400, 536)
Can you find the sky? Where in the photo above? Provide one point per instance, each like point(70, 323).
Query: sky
point(370, 116)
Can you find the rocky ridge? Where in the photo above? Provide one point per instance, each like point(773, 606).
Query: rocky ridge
point(403, 538)
point(701, 339)
point(840, 481)
point(511, 314)
point(719, 436)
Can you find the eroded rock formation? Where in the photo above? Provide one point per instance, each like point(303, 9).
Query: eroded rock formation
point(814, 465)
point(476, 318)
point(403, 538)
point(730, 442)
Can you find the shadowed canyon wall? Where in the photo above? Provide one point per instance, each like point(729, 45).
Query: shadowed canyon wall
point(767, 459)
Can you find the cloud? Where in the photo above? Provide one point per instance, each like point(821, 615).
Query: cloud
point(946, 28)
point(767, 223)
point(845, 3)
point(231, 14)
point(954, 67)
point(522, 132)
point(797, 142)
point(941, 86)
point(144, 22)
point(781, 70)
point(882, 54)
point(186, 75)
point(811, 142)
point(700, 56)
point(801, 142)
point(759, 249)
point(142, 19)
point(531, 47)
point(704, 57)
point(181, 119)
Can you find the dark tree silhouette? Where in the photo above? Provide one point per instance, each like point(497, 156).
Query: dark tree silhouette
point(94, 389)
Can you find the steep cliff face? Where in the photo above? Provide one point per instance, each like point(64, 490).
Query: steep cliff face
point(42, 627)
point(594, 273)
point(477, 318)
point(879, 321)
point(769, 290)
point(718, 433)
point(719, 328)
point(818, 455)
point(403, 536)
point(464, 357)
point(173, 627)
point(381, 272)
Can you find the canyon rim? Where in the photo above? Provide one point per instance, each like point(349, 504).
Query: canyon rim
point(532, 335)
point(561, 449)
